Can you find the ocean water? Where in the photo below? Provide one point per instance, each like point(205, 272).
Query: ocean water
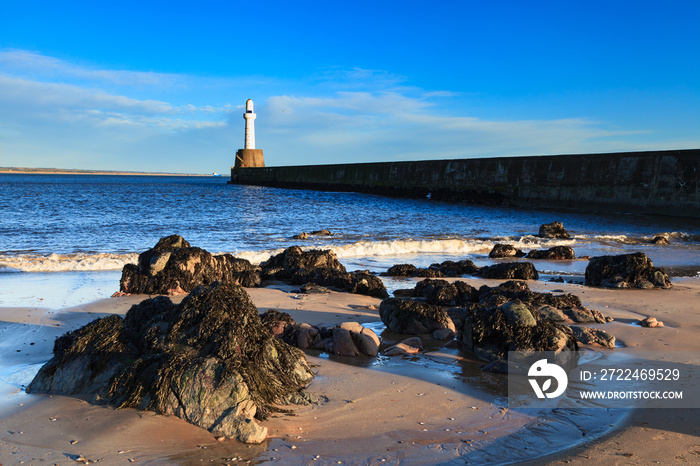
point(65, 238)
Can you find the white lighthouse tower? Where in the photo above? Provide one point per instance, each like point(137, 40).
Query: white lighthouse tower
point(249, 156)
point(249, 117)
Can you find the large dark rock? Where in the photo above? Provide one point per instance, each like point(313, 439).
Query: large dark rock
point(501, 250)
point(285, 264)
point(175, 267)
point(358, 282)
point(320, 268)
point(491, 332)
point(455, 269)
point(445, 293)
point(555, 253)
point(209, 360)
point(519, 290)
point(413, 317)
point(443, 269)
point(625, 271)
point(401, 270)
point(510, 271)
point(553, 230)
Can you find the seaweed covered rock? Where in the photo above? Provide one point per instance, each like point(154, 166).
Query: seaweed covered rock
point(413, 317)
point(443, 269)
point(555, 253)
point(401, 270)
point(490, 332)
point(445, 293)
point(625, 271)
point(409, 270)
point(510, 271)
point(501, 250)
point(209, 360)
point(173, 266)
point(358, 282)
point(285, 264)
point(455, 268)
point(553, 230)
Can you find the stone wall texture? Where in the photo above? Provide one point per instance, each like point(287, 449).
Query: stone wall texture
point(658, 182)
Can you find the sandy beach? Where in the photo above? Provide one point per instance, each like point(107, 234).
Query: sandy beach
point(436, 408)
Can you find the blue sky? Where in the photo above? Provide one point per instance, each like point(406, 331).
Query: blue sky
point(160, 86)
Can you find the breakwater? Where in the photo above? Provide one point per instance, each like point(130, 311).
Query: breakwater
point(656, 182)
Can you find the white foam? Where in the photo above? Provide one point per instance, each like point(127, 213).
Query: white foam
point(256, 257)
point(409, 246)
point(79, 262)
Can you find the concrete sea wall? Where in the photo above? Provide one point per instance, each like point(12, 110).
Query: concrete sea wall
point(658, 182)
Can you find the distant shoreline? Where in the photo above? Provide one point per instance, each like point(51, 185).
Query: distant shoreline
point(75, 171)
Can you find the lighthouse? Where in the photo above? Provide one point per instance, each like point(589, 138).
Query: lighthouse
point(249, 117)
point(249, 156)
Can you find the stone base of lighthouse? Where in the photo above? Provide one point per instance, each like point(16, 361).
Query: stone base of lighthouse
point(249, 158)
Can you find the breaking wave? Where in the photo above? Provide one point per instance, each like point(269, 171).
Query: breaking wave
point(83, 262)
point(78, 262)
point(445, 246)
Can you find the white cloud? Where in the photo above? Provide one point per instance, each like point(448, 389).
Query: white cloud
point(78, 116)
point(26, 63)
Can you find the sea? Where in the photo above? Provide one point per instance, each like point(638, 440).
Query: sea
point(65, 238)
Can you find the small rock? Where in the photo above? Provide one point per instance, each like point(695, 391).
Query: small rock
point(660, 239)
point(505, 250)
point(593, 336)
point(408, 347)
point(650, 322)
point(553, 230)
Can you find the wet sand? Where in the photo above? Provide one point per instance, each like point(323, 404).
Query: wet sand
point(434, 409)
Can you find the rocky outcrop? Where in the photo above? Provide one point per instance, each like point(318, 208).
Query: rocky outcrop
point(625, 271)
point(490, 332)
point(402, 315)
point(499, 251)
point(510, 271)
point(443, 269)
point(401, 270)
point(320, 267)
point(553, 230)
point(285, 264)
point(305, 235)
point(173, 266)
point(555, 253)
point(444, 293)
point(455, 268)
point(209, 360)
point(358, 282)
point(346, 339)
point(491, 321)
